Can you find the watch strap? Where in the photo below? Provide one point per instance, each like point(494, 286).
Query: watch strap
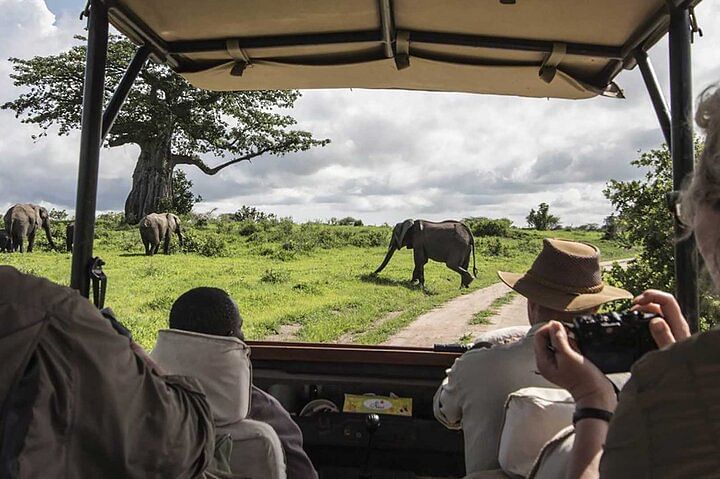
point(591, 413)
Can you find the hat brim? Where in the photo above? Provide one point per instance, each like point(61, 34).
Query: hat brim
point(560, 300)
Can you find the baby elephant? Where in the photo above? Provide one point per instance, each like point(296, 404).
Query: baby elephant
point(5, 246)
point(156, 228)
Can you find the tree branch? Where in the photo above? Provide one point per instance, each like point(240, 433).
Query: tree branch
point(208, 170)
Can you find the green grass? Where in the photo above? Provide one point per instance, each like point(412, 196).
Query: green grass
point(483, 317)
point(322, 287)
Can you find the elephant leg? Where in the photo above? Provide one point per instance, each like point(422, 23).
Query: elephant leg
point(419, 271)
point(465, 277)
point(166, 244)
point(31, 242)
point(155, 248)
point(146, 244)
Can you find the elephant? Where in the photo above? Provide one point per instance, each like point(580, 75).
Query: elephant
point(156, 228)
point(4, 242)
point(22, 222)
point(69, 235)
point(449, 242)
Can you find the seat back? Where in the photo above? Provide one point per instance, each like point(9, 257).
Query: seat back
point(533, 416)
point(222, 366)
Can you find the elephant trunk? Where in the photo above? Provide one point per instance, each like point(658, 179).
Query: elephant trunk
point(388, 255)
point(46, 227)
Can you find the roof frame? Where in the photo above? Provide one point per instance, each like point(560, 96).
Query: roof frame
point(173, 53)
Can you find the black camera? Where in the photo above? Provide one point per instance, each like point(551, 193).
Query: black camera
point(613, 341)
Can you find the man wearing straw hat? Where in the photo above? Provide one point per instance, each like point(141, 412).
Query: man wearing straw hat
point(565, 280)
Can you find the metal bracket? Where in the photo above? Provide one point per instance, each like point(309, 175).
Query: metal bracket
point(98, 280)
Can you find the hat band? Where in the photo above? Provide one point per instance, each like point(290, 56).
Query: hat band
point(565, 289)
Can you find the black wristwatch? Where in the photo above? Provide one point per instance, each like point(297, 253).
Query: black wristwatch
point(591, 413)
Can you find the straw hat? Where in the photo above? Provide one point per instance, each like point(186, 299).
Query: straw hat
point(566, 276)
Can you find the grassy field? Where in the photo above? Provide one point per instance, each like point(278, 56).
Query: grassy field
point(313, 277)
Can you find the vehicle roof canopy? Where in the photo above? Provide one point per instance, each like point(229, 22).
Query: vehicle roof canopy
point(551, 48)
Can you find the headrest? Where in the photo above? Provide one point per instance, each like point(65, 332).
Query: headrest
point(533, 416)
point(220, 363)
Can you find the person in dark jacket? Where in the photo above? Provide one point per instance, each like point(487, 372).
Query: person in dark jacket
point(212, 311)
point(80, 400)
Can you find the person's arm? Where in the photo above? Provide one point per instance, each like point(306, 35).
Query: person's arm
point(559, 363)
point(590, 436)
point(446, 403)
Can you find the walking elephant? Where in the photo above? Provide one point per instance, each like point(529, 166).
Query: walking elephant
point(22, 222)
point(159, 227)
point(69, 235)
point(449, 242)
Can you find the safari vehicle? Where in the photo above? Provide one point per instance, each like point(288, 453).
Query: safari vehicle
point(565, 49)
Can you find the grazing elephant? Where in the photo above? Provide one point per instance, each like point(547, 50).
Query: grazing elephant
point(4, 242)
point(22, 221)
point(69, 235)
point(449, 242)
point(158, 227)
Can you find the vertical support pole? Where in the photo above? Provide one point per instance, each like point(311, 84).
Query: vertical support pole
point(682, 150)
point(90, 143)
point(656, 96)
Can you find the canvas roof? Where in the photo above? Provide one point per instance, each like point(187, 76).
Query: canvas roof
point(536, 48)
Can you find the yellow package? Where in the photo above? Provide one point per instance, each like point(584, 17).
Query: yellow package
point(370, 403)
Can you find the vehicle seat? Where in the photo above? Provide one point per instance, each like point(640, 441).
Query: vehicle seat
point(222, 366)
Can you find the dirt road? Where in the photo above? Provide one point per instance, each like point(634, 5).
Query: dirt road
point(450, 322)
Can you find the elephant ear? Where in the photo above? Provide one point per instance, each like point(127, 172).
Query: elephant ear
point(403, 229)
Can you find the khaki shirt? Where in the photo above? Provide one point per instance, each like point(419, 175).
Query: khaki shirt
point(472, 397)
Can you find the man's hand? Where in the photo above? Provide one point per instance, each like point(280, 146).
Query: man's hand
point(559, 363)
point(671, 327)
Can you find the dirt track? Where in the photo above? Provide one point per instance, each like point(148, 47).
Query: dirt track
point(451, 321)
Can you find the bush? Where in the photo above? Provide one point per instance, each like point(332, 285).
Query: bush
point(481, 226)
point(275, 276)
point(209, 244)
point(248, 227)
point(495, 247)
point(541, 219)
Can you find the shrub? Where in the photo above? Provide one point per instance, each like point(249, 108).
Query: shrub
point(482, 226)
point(209, 245)
point(274, 276)
point(248, 227)
point(495, 247)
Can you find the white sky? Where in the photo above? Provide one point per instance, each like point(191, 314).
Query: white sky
point(393, 155)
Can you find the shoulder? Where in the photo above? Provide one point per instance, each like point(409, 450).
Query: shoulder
point(491, 358)
point(693, 359)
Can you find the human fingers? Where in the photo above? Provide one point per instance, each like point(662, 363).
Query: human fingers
point(651, 308)
point(559, 339)
point(661, 332)
point(670, 311)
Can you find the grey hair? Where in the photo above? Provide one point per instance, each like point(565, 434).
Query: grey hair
point(704, 187)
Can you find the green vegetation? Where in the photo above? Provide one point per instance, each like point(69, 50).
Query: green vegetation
point(312, 276)
point(644, 218)
point(483, 317)
point(542, 219)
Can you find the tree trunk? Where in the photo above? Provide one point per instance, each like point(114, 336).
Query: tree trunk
point(152, 180)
